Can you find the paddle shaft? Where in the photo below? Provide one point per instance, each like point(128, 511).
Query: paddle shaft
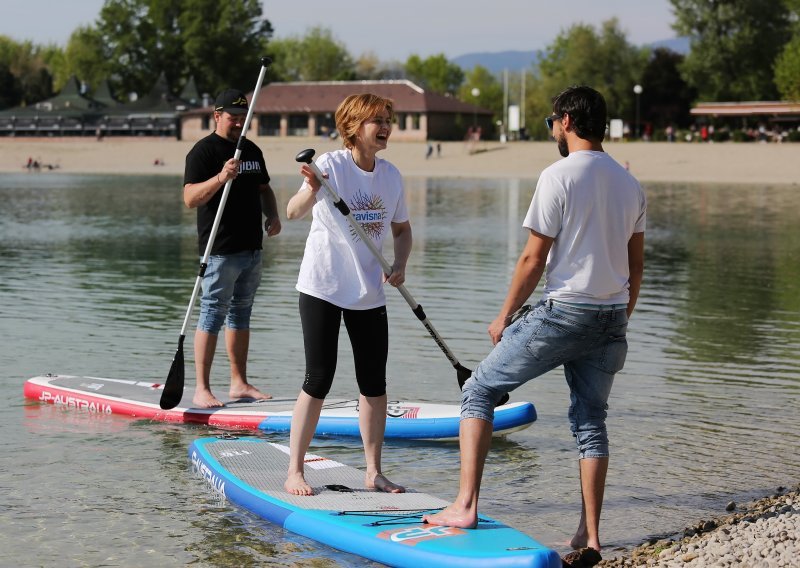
point(387, 268)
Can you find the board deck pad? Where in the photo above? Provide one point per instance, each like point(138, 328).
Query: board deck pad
point(405, 419)
point(336, 486)
point(342, 513)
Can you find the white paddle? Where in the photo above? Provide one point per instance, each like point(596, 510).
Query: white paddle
point(173, 388)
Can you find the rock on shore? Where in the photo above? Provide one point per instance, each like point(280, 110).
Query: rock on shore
point(764, 533)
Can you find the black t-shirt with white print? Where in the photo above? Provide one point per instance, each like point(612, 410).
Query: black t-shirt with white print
point(240, 228)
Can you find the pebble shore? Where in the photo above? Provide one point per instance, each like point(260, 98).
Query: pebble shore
point(761, 534)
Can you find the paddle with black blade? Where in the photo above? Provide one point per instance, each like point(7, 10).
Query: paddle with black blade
point(462, 373)
point(173, 388)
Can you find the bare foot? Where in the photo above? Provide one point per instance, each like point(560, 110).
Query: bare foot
point(204, 399)
point(453, 516)
point(380, 483)
point(581, 541)
point(248, 391)
point(296, 485)
point(578, 541)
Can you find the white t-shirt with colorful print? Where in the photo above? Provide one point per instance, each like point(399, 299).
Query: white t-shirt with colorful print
point(337, 267)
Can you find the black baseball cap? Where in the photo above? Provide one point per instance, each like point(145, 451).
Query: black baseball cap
point(232, 101)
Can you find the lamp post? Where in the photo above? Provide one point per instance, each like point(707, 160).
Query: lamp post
point(637, 89)
point(476, 92)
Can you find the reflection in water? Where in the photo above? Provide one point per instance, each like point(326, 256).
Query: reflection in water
point(97, 273)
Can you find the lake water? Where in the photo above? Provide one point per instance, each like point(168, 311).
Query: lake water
point(96, 276)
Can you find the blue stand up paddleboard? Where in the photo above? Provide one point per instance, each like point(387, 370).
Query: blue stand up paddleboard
point(384, 527)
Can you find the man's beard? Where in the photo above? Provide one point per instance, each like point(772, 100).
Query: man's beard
point(563, 149)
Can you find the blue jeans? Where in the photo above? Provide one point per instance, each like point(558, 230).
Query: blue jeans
point(229, 286)
point(589, 342)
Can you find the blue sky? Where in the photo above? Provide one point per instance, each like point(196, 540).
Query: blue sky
point(391, 30)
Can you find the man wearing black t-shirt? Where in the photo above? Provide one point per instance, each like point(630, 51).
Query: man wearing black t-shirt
point(234, 266)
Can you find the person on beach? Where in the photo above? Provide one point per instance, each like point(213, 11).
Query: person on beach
point(586, 225)
point(340, 278)
point(234, 267)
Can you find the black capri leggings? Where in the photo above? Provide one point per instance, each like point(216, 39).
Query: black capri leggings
point(369, 337)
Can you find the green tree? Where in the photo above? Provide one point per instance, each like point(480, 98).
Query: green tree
point(223, 42)
point(434, 73)
point(734, 46)
point(787, 66)
point(26, 62)
point(317, 56)
point(219, 43)
point(491, 91)
point(580, 55)
point(787, 71)
point(369, 67)
point(84, 58)
point(667, 98)
point(54, 59)
point(10, 94)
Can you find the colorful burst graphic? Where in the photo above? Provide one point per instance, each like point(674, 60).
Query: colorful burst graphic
point(369, 212)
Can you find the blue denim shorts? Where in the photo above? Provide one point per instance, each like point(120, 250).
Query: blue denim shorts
point(588, 341)
point(229, 286)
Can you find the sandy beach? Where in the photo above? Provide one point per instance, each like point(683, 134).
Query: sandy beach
point(728, 163)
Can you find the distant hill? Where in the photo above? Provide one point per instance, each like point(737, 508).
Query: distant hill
point(516, 61)
point(496, 62)
point(676, 44)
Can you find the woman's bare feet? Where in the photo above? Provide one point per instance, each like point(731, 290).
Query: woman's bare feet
point(453, 516)
point(204, 399)
point(379, 482)
point(248, 391)
point(296, 485)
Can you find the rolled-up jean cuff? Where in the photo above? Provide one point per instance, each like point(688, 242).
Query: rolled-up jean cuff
point(479, 415)
point(592, 455)
point(592, 443)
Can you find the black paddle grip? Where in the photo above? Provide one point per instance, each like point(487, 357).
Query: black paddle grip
point(342, 207)
point(419, 312)
point(305, 156)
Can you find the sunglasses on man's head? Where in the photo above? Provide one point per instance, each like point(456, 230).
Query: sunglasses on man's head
point(552, 118)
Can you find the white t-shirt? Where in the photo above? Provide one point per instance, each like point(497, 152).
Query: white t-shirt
point(337, 267)
point(591, 206)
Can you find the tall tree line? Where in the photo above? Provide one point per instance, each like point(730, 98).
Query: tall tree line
point(739, 48)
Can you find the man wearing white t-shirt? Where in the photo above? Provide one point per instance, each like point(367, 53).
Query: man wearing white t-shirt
point(586, 227)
